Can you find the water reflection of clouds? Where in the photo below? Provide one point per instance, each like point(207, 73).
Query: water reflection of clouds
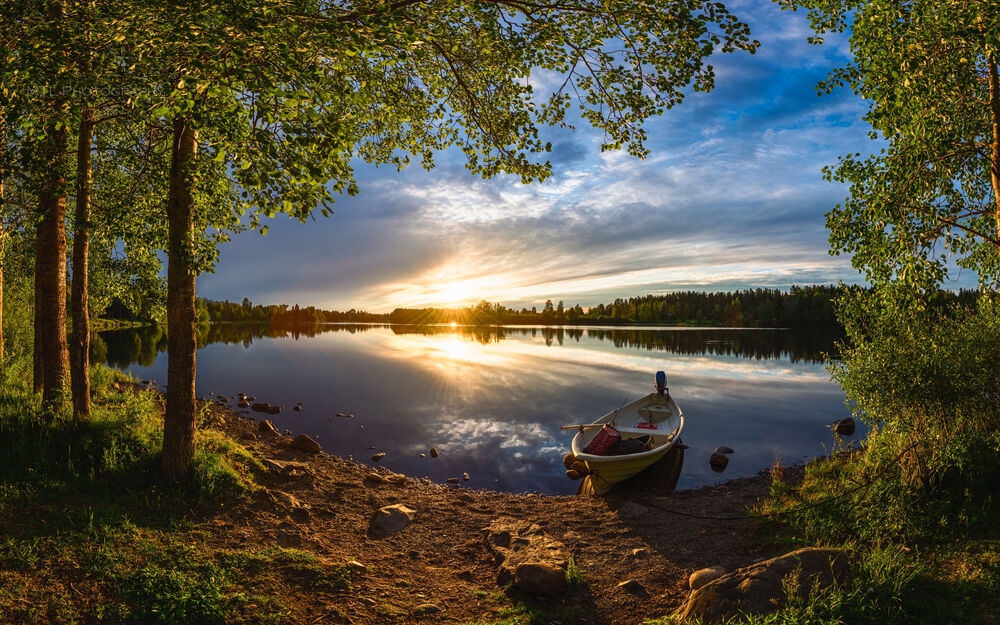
point(445, 352)
point(493, 407)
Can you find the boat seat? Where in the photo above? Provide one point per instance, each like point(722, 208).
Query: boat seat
point(656, 412)
point(644, 431)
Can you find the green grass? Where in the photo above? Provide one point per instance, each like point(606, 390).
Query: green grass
point(128, 573)
point(906, 569)
point(91, 534)
point(574, 575)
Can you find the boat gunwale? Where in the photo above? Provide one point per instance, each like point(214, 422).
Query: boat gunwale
point(673, 435)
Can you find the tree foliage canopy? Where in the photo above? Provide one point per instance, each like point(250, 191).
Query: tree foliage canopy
point(927, 203)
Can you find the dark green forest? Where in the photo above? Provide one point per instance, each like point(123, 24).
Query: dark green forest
point(798, 307)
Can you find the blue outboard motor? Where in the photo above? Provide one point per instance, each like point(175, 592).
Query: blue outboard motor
point(661, 383)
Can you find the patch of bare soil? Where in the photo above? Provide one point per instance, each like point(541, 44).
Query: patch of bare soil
point(324, 505)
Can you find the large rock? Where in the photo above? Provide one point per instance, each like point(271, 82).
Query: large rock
point(703, 576)
point(305, 444)
point(527, 557)
point(391, 519)
point(540, 578)
point(760, 588)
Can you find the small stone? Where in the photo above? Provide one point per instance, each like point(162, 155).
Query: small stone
point(346, 416)
point(222, 399)
point(396, 478)
point(631, 586)
point(242, 404)
point(453, 480)
point(285, 499)
point(305, 444)
point(426, 608)
point(703, 576)
point(718, 462)
point(413, 553)
point(375, 478)
point(423, 455)
point(391, 519)
point(845, 427)
point(640, 552)
point(540, 578)
point(266, 427)
point(357, 567)
point(297, 408)
point(434, 452)
point(723, 450)
point(465, 477)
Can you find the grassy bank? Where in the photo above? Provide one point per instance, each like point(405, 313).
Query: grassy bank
point(90, 535)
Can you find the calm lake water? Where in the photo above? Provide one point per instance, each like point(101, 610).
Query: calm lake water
point(491, 400)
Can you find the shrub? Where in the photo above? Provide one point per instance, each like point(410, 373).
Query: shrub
point(927, 382)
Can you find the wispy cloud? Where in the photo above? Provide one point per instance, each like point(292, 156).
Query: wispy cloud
point(732, 196)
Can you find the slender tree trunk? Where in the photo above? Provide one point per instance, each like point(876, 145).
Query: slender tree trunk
point(3, 256)
point(80, 345)
point(50, 269)
point(38, 381)
point(3, 245)
point(179, 420)
point(995, 147)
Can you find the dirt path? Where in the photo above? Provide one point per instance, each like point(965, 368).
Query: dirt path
point(324, 505)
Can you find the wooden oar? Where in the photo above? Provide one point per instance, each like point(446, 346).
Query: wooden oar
point(581, 426)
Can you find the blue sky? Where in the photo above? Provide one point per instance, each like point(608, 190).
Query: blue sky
point(732, 196)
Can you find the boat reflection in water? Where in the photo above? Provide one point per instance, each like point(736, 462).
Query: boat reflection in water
point(491, 399)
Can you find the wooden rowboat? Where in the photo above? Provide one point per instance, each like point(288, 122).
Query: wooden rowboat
point(656, 415)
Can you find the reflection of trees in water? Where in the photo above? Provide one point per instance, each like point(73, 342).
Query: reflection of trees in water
point(135, 345)
point(796, 345)
point(121, 348)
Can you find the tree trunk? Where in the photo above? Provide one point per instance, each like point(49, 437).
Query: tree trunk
point(80, 345)
point(38, 383)
point(179, 420)
point(2, 250)
point(50, 271)
point(995, 147)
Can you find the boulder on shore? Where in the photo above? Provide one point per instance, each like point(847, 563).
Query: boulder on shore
point(704, 576)
point(761, 588)
point(524, 555)
point(305, 444)
point(267, 427)
point(391, 519)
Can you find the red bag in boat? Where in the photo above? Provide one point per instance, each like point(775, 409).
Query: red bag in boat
point(607, 437)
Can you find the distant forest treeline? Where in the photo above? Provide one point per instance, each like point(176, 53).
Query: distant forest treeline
point(121, 348)
point(798, 307)
point(246, 311)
